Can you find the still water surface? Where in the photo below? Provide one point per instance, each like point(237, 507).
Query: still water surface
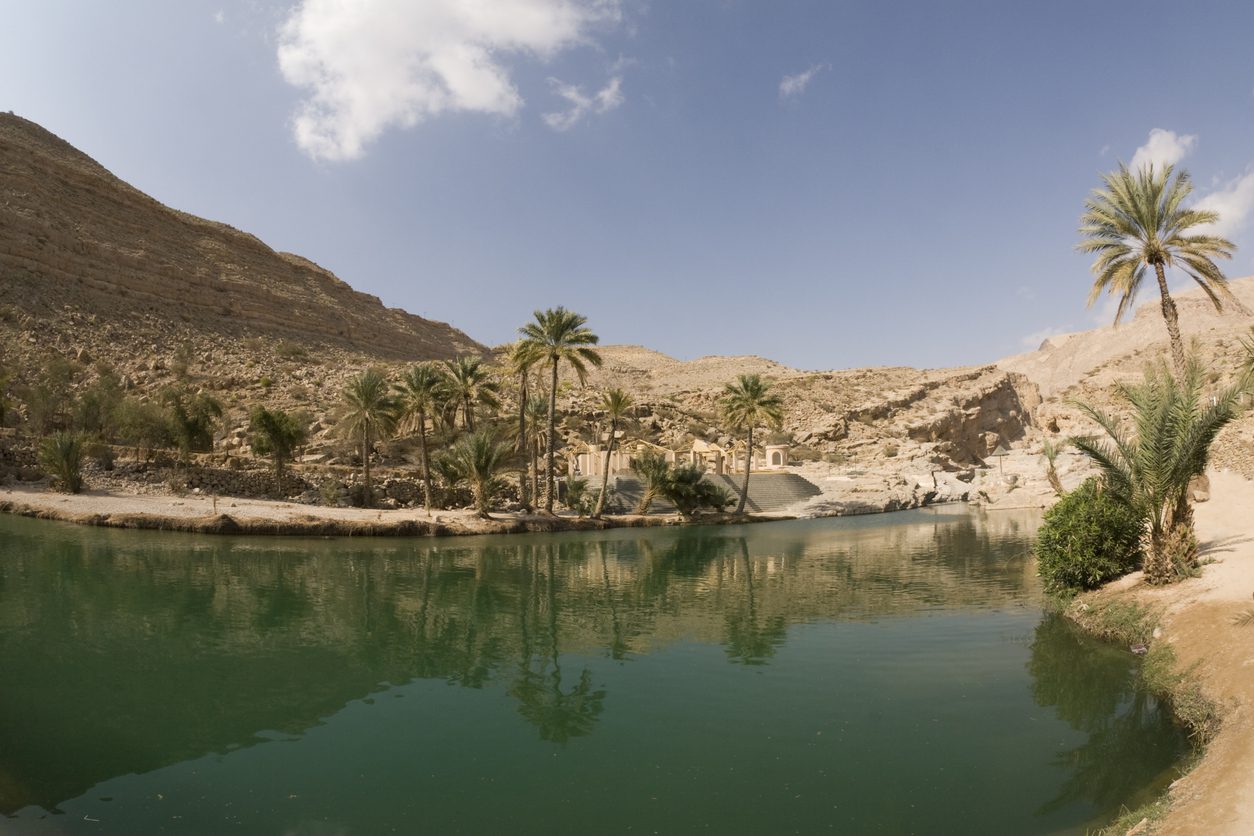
point(889, 674)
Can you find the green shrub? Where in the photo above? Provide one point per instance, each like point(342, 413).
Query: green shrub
point(1088, 538)
point(61, 455)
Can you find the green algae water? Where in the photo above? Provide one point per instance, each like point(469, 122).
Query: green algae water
point(889, 674)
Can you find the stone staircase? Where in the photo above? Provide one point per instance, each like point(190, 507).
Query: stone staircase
point(768, 492)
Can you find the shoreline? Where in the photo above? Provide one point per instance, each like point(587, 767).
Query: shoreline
point(201, 514)
point(1210, 663)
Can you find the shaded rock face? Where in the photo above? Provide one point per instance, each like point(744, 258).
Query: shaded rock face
point(72, 234)
point(991, 413)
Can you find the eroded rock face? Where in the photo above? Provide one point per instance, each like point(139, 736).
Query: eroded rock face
point(72, 234)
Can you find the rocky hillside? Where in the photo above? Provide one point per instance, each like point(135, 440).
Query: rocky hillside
point(73, 236)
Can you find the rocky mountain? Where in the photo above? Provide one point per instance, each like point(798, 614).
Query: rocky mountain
point(73, 236)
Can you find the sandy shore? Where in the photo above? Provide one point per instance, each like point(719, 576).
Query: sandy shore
point(1198, 615)
point(232, 515)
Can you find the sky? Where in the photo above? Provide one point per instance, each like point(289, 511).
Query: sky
point(828, 184)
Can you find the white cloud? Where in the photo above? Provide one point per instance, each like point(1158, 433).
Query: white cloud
point(604, 100)
point(1162, 148)
point(219, 16)
point(1033, 341)
point(369, 65)
point(793, 86)
point(1234, 202)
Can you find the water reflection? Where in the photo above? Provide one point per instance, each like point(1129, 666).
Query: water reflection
point(1130, 748)
point(124, 652)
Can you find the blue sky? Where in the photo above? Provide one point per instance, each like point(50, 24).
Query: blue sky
point(828, 184)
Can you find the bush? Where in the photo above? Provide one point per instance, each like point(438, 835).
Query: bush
point(1088, 538)
point(61, 454)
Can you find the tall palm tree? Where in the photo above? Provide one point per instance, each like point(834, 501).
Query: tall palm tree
point(559, 336)
point(537, 413)
point(522, 358)
point(369, 414)
point(418, 395)
point(746, 403)
point(470, 382)
point(1138, 221)
point(615, 402)
point(1149, 468)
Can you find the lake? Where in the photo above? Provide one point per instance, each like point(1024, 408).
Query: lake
point(885, 674)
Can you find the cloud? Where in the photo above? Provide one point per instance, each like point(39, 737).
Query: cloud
point(1163, 148)
point(604, 100)
point(1234, 202)
point(793, 86)
point(369, 65)
point(219, 17)
point(1034, 340)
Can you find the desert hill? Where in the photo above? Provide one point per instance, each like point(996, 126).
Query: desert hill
point(73, 235)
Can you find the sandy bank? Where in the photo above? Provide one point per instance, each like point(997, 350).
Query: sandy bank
point(1198, 620)
point(230, 515)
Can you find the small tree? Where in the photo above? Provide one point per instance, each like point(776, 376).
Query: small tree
point(192, 418)
point(652, 469)
point(1149, 468)
point(276, 434)
point(1049, 452)
point(686, 488)
point(61, 455)
point(476, 460)
point(468, 384)
point(615, 402)
point(143, 425)
point(48, 399)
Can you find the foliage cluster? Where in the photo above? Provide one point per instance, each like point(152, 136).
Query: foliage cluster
point(1088, 538)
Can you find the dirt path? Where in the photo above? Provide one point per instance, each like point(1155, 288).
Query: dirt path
point(1218, 796)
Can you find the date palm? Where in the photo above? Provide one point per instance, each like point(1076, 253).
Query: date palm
point(522, 358)
point(559, 336)
point(1149, 466)
point(746, 404)
point(369, 413)
point(1138, 221)
point(477, 459)
point(470, 383)
point(615, 402)
point(418, 395)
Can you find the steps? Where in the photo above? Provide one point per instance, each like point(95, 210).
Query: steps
point(768, 492)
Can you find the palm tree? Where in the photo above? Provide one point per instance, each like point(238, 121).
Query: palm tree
point(653, 470)
point(746, 404)
point(522, 358)
point(1149, 469)
point(615, 402)
point(477, 459)
point(276, 434)
point(1138, 221)
point(418, 395)
point(537, 413)
point(61, 454)
point(470, 383)
point(369, 413)
point(558, 336)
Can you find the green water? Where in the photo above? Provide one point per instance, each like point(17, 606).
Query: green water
point(890, 674)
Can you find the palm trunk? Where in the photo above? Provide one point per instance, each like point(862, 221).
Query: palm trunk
point(744, 490)
point(469, 414)
point(521, 447)
point(605, 472)
point(1173, 323)
point(533, 453)
point(365, 468)
point(550, 480)
point(426, 461)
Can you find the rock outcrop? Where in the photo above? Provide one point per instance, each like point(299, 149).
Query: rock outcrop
point(73, 235)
